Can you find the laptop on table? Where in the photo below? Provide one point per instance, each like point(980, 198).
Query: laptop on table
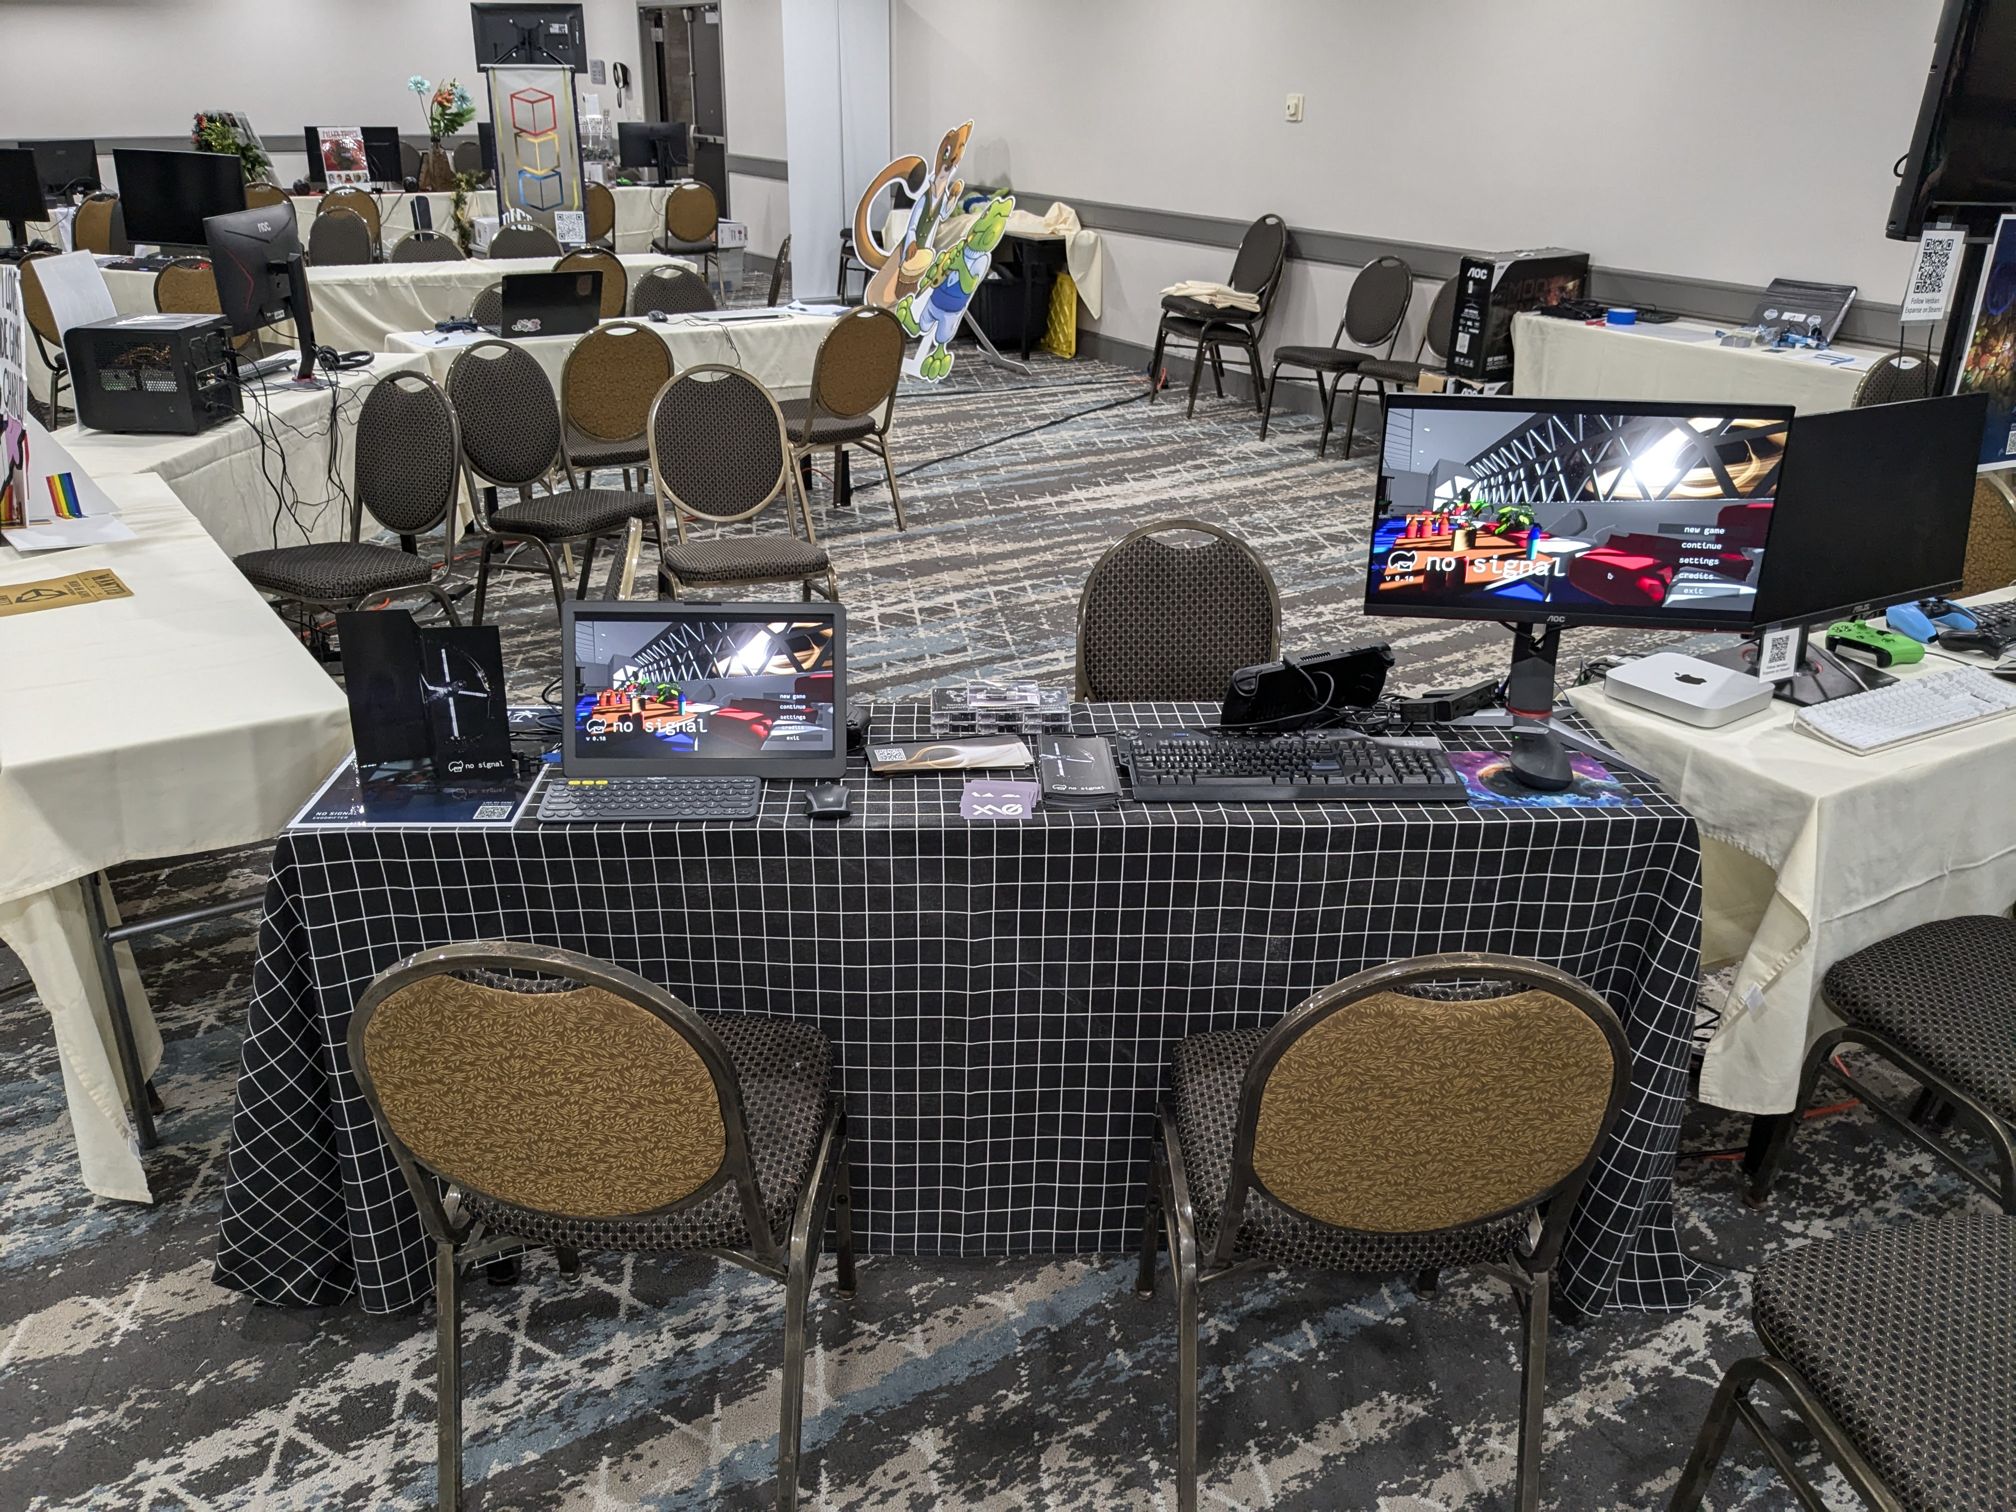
point(550, 304)
point(678, 711)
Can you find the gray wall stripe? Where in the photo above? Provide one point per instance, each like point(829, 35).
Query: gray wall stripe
point(758, 167)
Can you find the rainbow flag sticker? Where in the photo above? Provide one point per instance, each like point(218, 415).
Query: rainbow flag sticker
point(63, 495)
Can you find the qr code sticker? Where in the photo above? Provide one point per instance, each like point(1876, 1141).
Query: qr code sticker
point(485, 812)
point(888, 753)
point(1934, 259)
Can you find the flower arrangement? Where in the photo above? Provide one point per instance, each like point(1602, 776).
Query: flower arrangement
point(447, 105)
point(219, 131)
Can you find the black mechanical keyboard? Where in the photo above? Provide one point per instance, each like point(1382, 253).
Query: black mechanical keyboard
point(675, 800)
point(1994, 630)
point(1179, 766)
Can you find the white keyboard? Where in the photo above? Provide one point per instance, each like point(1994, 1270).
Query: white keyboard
point(1911, 709)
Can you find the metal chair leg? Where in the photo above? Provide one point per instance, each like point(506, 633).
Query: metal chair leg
point(843, 1222)
point(587, 565)
point(1267, 410)
point(482, 581)
point(1778, 1138)
point(1217, 370)
point(1711, 1442)
point(1155, 362)
point(889, 472)
point(1351, 418)
point(1186, 1386)
point(1252, 350)
point(797, 1292)
point(1196, 373)
point(1329, 411)
point(120, 1015)
point(1533, 1394)
point(448, 1377)
point(1151, 1227)
point(447, 604)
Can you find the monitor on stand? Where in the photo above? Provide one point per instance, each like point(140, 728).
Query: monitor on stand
point(20, 193)
point(167, 196)
point(1547, 513)
point(1873, 512)
point(68, 166)
point(255, 256)
point(658, 145)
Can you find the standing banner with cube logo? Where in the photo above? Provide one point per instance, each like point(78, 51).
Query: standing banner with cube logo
point(538, 142)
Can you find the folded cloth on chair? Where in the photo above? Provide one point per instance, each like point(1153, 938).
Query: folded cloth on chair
point(1222, 295)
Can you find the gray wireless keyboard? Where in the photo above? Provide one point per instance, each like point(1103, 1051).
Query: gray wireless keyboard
point(671, 800)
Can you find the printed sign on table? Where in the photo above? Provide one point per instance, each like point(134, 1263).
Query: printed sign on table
point(343, 156)
point(1989, 364)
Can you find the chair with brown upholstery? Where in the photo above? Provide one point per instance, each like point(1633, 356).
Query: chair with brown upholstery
point(719, 455)
point(853, 395)
point(1208, 329)
point(358, 202)
point(692, 223)
point(1896, 1349)
point(187, 286)
point(1157, 620)
point(615, 278)
point(606, 387)
point(1436, 339)
point(409, 161)
point(599, 203)
point(1406, 1119)
point(405, 479)
point(537, 1096)
point(523, 241)
point(780, 269)
point(510, 425)
point(426, 246)
point(259, 194)
point(42, 327)
point(100, 227)
point(1373, 313)
point(339, 237)
point(671, 290)
point(468, 158)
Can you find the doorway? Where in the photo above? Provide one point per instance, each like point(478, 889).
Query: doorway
point(683, 82)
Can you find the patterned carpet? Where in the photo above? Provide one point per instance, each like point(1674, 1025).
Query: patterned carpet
point(129, 1381)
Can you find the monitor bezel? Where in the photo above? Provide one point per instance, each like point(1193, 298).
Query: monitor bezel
point(50, 187)
point(810, 765)
point(145, 158)
point(1577, 614)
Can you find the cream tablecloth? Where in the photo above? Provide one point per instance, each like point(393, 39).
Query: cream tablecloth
point(227, 478)
point(1810, 853)
point(778, 352)
point(1568, 359)
point(640, 213)
point(182, 719)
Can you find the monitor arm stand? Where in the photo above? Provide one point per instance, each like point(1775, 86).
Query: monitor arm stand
point(1822, 676)
point(302, 307)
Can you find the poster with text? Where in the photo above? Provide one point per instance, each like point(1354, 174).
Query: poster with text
point(1989, 363)
point(13, 399)
point(343, 158)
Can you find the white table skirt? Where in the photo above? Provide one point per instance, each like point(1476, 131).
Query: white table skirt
point(221, 727)
point(1810, 854)
point(778, 353)
point(1568, 359)
point(640, 213)
point(221, 474)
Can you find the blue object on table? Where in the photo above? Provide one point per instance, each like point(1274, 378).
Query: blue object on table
point(1911, 620)
point(1949, 614)
point(1622, 315)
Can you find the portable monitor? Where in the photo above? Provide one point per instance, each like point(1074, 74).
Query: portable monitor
point(692, 690)
point(1574, 511)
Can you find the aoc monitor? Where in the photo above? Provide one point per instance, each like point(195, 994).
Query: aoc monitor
point(1574, 511)
point(673, 689)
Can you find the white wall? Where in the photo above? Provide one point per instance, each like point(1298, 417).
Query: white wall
point(752, 61)
point(1730, 140)
point(125, 68)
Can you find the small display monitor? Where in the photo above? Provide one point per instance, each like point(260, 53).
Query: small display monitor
point(374, 150)
point(66, 165)
point(511, 35)
point(674, 689)
point(1572, 511)
point(1874, 510)
point(21, 199)
point(166, 196)
point(650, 144)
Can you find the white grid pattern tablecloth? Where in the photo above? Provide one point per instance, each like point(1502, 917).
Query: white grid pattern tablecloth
point(1002, 998)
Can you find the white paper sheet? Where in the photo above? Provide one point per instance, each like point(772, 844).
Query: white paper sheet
point(75, 287)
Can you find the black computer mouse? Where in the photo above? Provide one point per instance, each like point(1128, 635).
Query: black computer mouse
point(829, 800)
point(657, 317)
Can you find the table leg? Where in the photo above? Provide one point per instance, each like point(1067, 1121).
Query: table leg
point(138, 1092)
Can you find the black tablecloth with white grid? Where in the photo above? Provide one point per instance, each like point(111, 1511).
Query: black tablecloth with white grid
point(1002, 997)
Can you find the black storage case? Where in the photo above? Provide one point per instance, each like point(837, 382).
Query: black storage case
point(149, 374)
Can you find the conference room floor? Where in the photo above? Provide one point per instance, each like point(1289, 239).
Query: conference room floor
point(127, 1378)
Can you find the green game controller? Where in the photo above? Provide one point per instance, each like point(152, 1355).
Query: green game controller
point(1887, 646)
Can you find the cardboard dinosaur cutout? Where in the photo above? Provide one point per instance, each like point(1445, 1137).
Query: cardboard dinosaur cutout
point(927, 276)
